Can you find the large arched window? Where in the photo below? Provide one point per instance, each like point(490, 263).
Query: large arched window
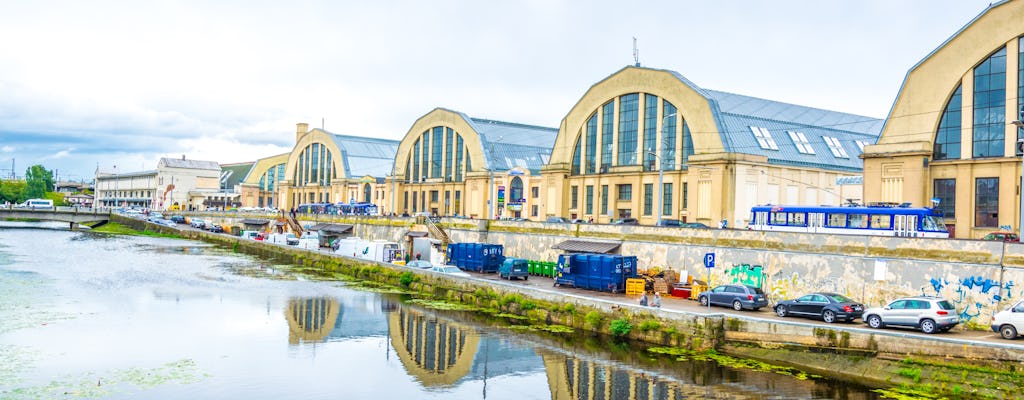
point(947, 137)
point(367, 193)
point(315, 166)
point(990, 106)
point(516, 190)
point(438, 152)
point(270, 178)
point(661, 120)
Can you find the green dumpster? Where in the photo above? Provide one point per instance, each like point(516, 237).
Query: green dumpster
point(532, 268)
point(548, 269)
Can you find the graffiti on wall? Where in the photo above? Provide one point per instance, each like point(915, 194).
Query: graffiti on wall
point(972, 294)
point(746, 274)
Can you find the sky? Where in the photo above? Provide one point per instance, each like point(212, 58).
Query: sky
point(120, 84)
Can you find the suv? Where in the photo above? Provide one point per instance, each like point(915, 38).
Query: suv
point(669, 222)
point(197, 223)
point(737, 296)
point(930, 314)
point(1009, 323)
point(625, 221)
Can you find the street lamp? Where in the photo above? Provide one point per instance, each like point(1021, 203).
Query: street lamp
point(1020, 149)
point(661, 169)
point(491, 191)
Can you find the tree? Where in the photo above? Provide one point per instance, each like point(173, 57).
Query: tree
point(38, 181)
point(13, 191)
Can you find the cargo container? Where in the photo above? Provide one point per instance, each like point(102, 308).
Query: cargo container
point(602, 272)
point(478, 257)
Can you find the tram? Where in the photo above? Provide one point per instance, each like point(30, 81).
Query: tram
point(874, 220)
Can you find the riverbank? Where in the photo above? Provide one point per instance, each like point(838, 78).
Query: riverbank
point(912, 366)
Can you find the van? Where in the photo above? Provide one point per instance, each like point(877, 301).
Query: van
point(38, 204)
point(514, 268)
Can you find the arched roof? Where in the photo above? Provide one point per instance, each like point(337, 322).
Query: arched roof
point(720, 122)
point(354, 156)
point(928, 85)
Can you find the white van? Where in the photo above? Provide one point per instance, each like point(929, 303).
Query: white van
point(37, 204)
point(1009, 323)
point(379, 250)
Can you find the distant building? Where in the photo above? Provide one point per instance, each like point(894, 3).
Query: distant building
point(69, 187)
point(174, 184)
point(80, 200)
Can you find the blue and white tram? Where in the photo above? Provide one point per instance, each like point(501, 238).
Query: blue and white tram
point(856, 220)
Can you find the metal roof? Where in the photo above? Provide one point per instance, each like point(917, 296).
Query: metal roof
point(587, 246)
point(364, 156)
point(507, 145)
point(189, 164)
point(254, 221)
point(233, 174)
point(334, 228)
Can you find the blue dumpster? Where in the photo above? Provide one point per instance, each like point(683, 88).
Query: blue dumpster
point(601, 272)
point(478, 257)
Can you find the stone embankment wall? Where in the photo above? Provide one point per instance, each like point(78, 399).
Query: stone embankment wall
point(979, 277)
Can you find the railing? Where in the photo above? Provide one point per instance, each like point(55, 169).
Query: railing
point(434, 230)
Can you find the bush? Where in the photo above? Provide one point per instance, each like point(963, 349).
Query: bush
point(406, 279)
point(593, 319)
point(569, 308)
point(621, 327)
point(650, 325)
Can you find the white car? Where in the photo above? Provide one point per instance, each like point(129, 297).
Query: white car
point(450, 270)
point(419, 264)
point(1009, 323)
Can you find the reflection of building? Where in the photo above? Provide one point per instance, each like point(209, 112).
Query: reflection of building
point(573, 378)
point(312, 319)
point(949, 134)
point(176, 183)
point(435, 352)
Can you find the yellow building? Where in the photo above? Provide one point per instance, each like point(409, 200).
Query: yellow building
point(715, 153)
point(451, 164)
point(949, 135)
point(321, 168)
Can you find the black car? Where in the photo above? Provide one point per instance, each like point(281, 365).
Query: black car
point(625, 221)
point(178, 219)
point(216, 228)
point(669, 222)
point(830, 307)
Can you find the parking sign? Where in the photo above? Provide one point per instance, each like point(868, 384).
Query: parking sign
point(709, 260)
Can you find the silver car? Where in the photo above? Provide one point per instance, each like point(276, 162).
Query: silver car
point(928, 313)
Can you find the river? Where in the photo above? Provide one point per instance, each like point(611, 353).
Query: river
point(87, 315)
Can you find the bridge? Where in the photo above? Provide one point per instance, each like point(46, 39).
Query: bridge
point(74, 216)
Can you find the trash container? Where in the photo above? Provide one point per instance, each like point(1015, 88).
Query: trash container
point(532, 267)
point(696, 289)
point(546, 269)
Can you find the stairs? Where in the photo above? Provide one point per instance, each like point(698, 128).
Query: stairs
point(293, 224)
point(434, 230)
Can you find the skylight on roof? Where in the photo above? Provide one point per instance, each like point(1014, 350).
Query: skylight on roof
point(836, 147)
point(764, 138)
point(802, 145)
point(861, 144)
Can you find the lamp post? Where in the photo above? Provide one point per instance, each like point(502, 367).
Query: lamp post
point(1020, 149)
point(492, 191)
point(661, 169)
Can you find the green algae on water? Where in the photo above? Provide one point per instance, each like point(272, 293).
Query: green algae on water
point(127, 381)
point(681, 354)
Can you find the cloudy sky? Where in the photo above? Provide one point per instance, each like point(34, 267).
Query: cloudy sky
point(105, 83)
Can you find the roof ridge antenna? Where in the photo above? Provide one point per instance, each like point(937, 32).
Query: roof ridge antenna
point(636, 53)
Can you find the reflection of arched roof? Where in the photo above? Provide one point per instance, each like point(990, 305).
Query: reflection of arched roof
point(526, 146)
point(435, 352)
point(311, 319)
point(928, 85)
point(720, 121)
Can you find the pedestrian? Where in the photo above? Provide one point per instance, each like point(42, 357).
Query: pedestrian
point(643, 299)
point(656, 301)
point(724, 224)
point(418, 255)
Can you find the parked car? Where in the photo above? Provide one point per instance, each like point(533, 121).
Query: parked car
point(197, 223)
point(1009, 323)
point(215, 228)
point(578, 221)
point(830, 307)
point(557, 220)
point(669, 222)
point(1002, 236)
point(178, 219)
point(625, 221)
point(166, 222)
point(695, 225)
point(154, 217)
point(514, 268)
point(449, 270)
point(419, 264)
point(736, 296)
point(928, 313)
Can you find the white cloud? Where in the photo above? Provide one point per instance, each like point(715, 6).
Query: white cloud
point(7, 149)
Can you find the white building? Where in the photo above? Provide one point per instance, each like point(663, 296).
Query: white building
point(175, 184)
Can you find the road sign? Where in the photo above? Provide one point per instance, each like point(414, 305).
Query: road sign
point(709, 260)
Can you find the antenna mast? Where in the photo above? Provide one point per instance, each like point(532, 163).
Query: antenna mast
point(636, 53)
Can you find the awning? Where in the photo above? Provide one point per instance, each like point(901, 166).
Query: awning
point(417, 234)
point(587, 246)
point(332, 228)
point(254, 221)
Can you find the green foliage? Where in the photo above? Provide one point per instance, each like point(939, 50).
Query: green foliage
point(511, 298)
point(594, 319)
point(569, 308)
point(38, 181)
point(621, 327)
point(912, 373)
point(406, 279)
point(650, 325)
point(13, 191)
point(527, 305)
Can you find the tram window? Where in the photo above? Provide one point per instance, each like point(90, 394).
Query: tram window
point(778, 218)
point(798, 219)
point(836, 221)
point(881, 222)
point(858, 220)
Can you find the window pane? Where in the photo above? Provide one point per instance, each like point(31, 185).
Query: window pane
point(986, 202)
